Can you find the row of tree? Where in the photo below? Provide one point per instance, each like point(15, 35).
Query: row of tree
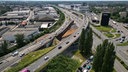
point(86, 41)
point(104, 57)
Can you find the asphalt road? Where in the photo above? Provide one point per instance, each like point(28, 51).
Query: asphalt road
point(71, 39)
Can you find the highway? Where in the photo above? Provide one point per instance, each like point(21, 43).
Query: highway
point(71, 39)
point(117, 65)
point(8, 60)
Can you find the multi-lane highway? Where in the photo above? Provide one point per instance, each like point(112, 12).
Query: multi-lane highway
point(9, 60)
point(71, 39)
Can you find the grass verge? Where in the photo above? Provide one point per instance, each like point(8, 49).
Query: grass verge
point(103, 28)
point(123, 44)
point(117, 35)
point(109, 35)
point(62, 63)
point(126, 67)
point(28, 59)
point(78, 56)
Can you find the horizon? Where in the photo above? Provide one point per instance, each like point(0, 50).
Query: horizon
point(64, 0)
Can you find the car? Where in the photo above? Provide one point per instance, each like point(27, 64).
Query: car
point(91, 57)
point(15, 53)
point(41, 42)
point(123, 37)
point(59, 47)
point(122, 40)
point(87, 62)
point(80, 68)
point(84, 65)
point(85, 70)
point(22, 54)
point(50, 37)
point(25, 70)
point(1, 62)
point(67, 42)
point(46, 58)
point(88, 67)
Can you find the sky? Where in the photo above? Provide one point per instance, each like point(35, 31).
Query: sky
point(63, 0)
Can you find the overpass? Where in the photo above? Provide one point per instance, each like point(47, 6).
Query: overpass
point(33, 46)
point(71, 39)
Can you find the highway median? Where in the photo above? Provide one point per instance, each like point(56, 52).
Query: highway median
point(28, 59)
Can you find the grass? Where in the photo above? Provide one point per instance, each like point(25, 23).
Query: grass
point(103, 28)
point(126, 67)
point(117, 35)
point(62, 63)
point(123, 44)
point(55, 41)
point(28, 59)
point(109, 35)
point(78, 56)
point(113, 30)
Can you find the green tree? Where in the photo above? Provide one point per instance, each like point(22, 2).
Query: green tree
point(109, 59)
point(85, 41)
point(20, 40)
point(3, 47)
point(98, 58)
point(88, 41)
point(81, 41)
point(104, 57)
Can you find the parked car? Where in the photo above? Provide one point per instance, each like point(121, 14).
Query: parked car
point(88, 67)
point(85, 70)
point(84, 65)
point(80, 68)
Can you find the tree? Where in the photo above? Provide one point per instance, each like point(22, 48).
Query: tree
point(3, 47)
point(85, 41)
point(109, 59)
point(104, 57)
point(20, 40)
point(88, 41)
point(81, 41)
point(98, 58)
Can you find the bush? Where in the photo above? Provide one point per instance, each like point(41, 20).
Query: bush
point(62, 64)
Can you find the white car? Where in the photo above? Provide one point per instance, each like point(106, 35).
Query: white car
point(85, 70)
point(15, 53)
point(22, 54)
point(47, 57)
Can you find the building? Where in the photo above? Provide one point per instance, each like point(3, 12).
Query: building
point(105, 19)
point(123, 14)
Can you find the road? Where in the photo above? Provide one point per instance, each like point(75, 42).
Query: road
point(118, 67)
point(8, 60)
point(71, 39)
